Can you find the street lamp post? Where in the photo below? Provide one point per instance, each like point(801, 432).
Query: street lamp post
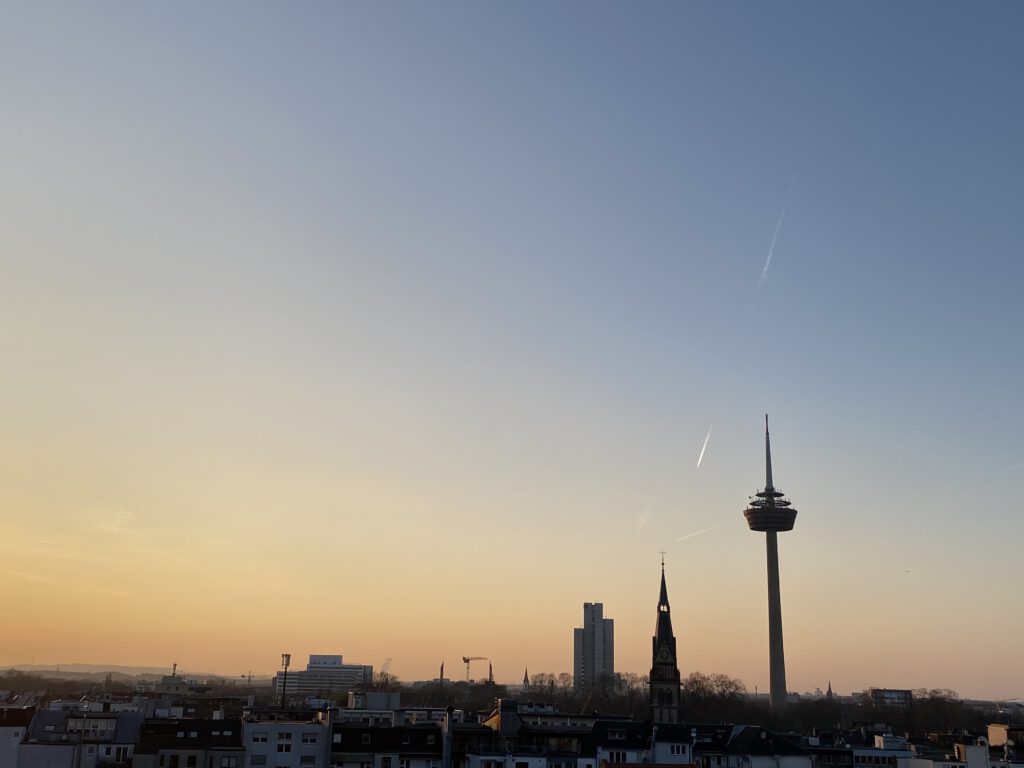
point(286, 659)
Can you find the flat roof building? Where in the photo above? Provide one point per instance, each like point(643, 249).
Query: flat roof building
point(324, 674)
point(593, 647)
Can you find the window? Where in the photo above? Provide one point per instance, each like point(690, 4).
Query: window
point(385, 762)
point(190, 761)
point(337, 738)
point(616, 734)
point(284, 747)
point(229, 762)
point(162, 759)
point(431, 739)
point(284, 736)
point(193, 734)
point(406, 738)
point(522, 764)
point(677, 749)
point(366, 738)
point(174, 761)
point(259, 737)
point(403, 762)
point(309, 738)
point(307, 760)
point(616, 756)
point(257, 759)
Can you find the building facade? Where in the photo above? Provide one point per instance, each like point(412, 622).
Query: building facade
point(593, 647)
point(324, 675)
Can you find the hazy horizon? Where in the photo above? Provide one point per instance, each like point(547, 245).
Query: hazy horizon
point(478, 675)
point(400, 330)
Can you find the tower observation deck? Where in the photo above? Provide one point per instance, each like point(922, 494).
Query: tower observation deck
point(769, 512)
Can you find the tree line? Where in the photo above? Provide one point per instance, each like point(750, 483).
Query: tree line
point(709, 698)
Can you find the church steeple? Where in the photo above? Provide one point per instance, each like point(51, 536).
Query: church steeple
point(664, 665)
point(663, 599)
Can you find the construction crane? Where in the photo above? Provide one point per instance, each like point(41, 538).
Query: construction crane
point(468, 659)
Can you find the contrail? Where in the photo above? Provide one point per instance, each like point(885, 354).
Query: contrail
point(775, 236)
point(771, 249)
point(645, 516)
point(705, 446)
point(698, 533)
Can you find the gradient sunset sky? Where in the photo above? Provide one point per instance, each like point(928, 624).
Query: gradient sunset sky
point(396, 329)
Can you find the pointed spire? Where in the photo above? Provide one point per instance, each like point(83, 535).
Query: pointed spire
point(441, 678)
point(769, 485)
point(526, 678)
point(663, 597)
point(490, 672)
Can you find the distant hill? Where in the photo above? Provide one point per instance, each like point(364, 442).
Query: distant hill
point(73, 671)
point(89, 668)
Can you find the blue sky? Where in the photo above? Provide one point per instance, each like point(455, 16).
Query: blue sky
point(475, 280)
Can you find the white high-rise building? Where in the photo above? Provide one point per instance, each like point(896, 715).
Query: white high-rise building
point(324, 674)
point(593, 647)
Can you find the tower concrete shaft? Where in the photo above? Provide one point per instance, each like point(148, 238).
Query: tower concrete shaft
point(770, 512)
point(776, 654)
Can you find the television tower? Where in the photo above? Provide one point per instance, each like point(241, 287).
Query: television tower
point(771, 513)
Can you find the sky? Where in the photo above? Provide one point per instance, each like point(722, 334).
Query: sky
point(396, 330)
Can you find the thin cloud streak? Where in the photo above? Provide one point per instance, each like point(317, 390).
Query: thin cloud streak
point(644, 518)
point(771, 248)
point(698, 533)
point(763, 277)
point(704, 447)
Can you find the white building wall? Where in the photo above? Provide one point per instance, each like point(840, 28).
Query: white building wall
point(671, 752)
point(506, 761)
point(46, 756)
point(618, 756)
point(10, 740)
point(974, 755)
point(915, 762)
point(283, 745)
